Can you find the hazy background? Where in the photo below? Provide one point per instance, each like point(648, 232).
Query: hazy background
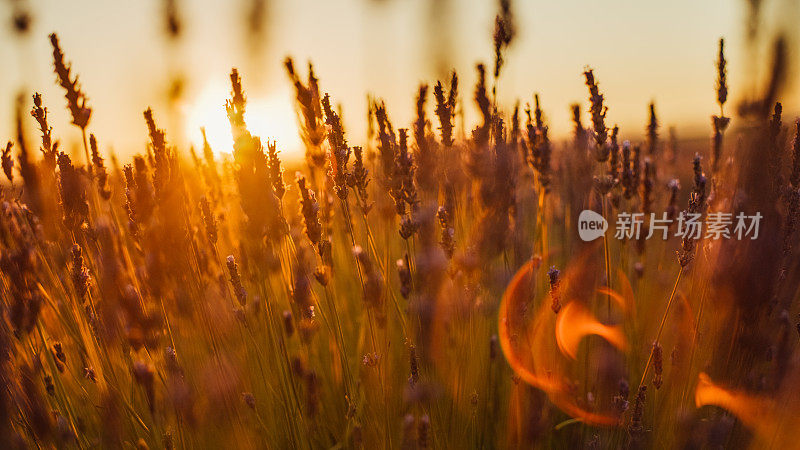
point(642, 50)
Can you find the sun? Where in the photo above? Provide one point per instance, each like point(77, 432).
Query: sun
point(270, 117)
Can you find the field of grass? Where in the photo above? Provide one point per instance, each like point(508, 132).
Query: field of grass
point(428, 289)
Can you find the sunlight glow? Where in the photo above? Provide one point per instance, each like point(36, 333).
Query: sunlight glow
point(270, 117)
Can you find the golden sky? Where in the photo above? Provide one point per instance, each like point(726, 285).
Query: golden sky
point(641, 50)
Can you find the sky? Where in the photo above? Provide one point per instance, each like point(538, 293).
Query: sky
point(640, 50)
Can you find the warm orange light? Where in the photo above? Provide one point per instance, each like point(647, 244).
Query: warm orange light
point(751, 410)
point(269, 117)
point(575, 322)
point(773, 424)
point(530, 348)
